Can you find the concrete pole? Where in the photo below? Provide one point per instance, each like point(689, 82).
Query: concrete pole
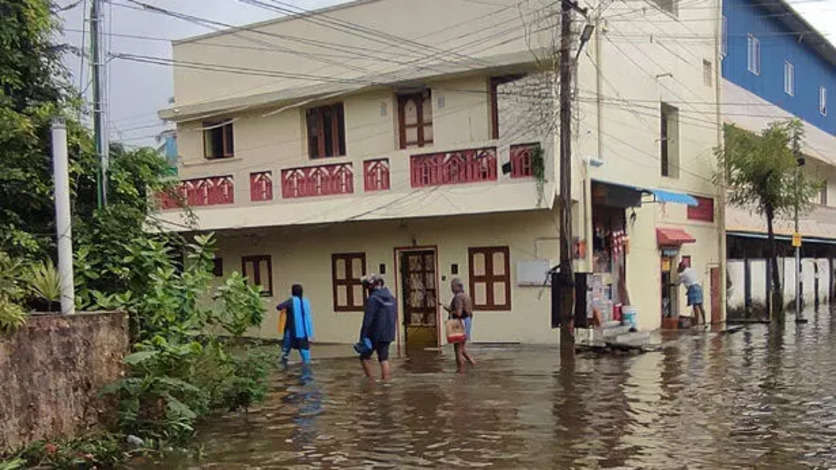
point(63, 225)
point(100, 128)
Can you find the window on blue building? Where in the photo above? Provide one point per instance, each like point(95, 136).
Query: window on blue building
point(789, 78)
point(823, 100)
point(754, 54)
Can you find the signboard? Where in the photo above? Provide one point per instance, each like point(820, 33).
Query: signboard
point(796, 239)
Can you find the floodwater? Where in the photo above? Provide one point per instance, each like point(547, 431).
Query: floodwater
point(763, 397)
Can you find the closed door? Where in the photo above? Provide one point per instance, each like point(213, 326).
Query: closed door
point(420, 294)
point(716, 306)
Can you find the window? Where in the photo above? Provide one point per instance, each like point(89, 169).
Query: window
point(218, 267)
point(707, 73)
point(490, 278)
point(789, 78)
point(495, 84)
point(347, 271)
point(326, 131)
point(259, 270)
point(217, 139)
point(669, 141)
point(754, 54)
point(670, 6)
point(823, 196)
point(823, 101)
point(704, 210)
point(724, 45)
point(415, 119)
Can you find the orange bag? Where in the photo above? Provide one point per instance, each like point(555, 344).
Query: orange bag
point(282, 321)
point(455, 331)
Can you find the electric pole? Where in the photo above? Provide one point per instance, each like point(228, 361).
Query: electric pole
point(796, 149)
point(566, 275)
point(98, 60)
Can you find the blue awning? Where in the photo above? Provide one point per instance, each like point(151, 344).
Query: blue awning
point(669, 196)
point(659, 195)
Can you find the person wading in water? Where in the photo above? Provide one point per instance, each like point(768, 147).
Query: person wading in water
point(379, 325)
point(461, 308)
point(298, 329)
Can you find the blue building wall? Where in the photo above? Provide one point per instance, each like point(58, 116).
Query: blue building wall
point(811, 70)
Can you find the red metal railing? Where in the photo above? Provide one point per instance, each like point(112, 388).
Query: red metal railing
point(522, 160)
point(457, 167)
point(319, 180)
point(376, 174)
point(209, 191)
point(261, 186)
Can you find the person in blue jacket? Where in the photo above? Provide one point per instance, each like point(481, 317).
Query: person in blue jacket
point(378, 328)
point(298, 329)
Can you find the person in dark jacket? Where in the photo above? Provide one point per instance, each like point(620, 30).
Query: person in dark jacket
point(379, 322)
point(298, 328)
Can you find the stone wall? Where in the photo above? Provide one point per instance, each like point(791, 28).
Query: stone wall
point(51, 371)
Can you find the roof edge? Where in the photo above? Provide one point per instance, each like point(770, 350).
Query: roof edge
point(280, 19)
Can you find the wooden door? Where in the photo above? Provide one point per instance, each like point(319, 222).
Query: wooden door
point(420, 294)
point(716, 306)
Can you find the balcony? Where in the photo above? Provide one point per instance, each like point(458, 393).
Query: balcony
point(456, 167)
point(198, 192)
point(321, 180)
point(522, 160)
point(384, 179)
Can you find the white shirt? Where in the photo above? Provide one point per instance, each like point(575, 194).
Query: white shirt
point(688, 277)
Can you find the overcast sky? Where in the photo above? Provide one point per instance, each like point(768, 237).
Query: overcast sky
point(139, 90)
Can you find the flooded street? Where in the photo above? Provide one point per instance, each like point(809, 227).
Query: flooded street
point(758, 398)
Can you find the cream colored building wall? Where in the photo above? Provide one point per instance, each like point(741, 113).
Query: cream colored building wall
point(303, 255)
point(489, 28)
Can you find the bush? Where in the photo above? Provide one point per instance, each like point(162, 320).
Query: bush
point(179, 371)
point(12, 314)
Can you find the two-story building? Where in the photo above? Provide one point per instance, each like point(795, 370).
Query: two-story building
point(776, 66)
point(417, 140)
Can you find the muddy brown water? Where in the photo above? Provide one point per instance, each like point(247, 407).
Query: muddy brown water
point(764, 397)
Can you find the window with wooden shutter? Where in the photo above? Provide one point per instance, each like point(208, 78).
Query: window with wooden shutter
point(259, 271)
point(326, 131)
point(415, 119)
point(490, 278)
point(347, 271)
point(218, 139)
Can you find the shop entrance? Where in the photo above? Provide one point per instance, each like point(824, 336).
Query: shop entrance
point(420, 297)
point(670, 303)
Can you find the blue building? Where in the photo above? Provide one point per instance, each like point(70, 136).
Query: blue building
point(777, 66)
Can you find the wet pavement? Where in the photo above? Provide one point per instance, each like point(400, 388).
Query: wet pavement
point(763, 397)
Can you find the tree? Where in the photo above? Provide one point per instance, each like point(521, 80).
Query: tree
point(762, 174)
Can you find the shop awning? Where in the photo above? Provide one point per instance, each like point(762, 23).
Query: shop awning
point(673, 237)
point(623, 195)
point(670, 196)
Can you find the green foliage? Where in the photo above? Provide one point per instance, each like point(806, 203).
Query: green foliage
point(179, 371)
point(102, 450)
point(241, 304)
point(45, 282)
point(538, 170)
point(761, 171)
point(12, 291)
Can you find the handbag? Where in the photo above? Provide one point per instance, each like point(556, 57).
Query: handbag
point(282, 322)
point(455, 331)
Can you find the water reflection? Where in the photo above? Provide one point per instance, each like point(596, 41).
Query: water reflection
point(764, 397)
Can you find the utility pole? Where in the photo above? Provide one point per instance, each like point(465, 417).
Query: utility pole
point(63, 226)
point(566, 276)
point(98, 60)
point(796, 149)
